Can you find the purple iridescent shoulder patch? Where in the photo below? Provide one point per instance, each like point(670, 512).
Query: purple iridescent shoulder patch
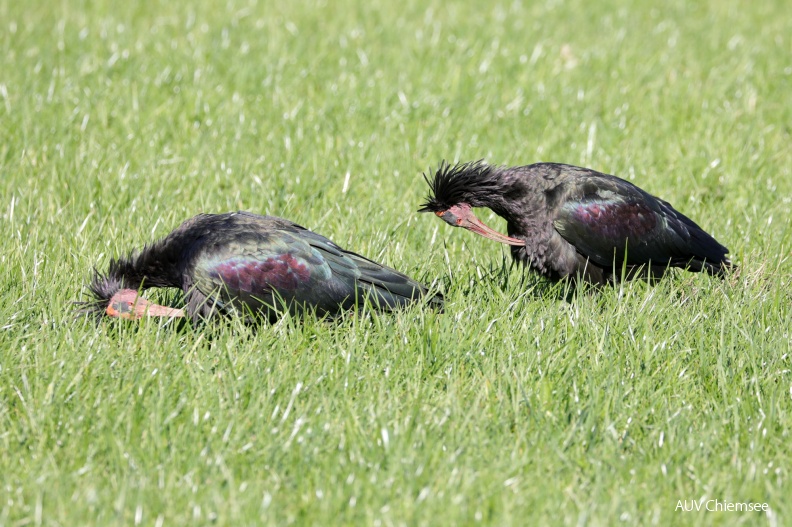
point(283, 272)
point(615, 219)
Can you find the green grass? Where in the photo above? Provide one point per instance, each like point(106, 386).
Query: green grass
point(120, 119)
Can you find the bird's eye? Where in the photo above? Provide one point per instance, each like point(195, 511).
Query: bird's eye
point(440, 213)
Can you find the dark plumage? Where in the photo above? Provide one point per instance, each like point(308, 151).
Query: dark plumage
point(245, 263)
point(567, 221)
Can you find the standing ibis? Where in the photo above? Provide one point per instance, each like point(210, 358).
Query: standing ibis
point(248, 264)
point(567, 221)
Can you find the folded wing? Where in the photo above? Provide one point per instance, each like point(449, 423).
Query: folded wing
point(291, 268)
point(624, 223)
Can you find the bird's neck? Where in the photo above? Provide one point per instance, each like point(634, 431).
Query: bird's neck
point(511, 190)
point(157, 265)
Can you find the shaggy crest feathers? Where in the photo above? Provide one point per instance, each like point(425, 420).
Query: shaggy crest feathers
point(457, 184)
point(102, 288)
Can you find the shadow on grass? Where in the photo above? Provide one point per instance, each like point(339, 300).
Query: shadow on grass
point(509, 277)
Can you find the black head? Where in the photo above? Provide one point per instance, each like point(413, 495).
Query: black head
point(455, 190)
point(470, 183)
point(101, 289)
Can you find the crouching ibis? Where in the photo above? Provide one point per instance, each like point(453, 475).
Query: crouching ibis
point(244, 263)
point(567, 221)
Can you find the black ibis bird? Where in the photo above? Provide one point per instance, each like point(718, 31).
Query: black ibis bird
point(249, 264)
point(567, 221)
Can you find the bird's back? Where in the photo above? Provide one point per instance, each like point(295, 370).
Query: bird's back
point(243, 261)
point(610, 221)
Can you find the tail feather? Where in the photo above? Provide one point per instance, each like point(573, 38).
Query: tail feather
point(710, 256)
point(395, 294)
point(391, 287)
point(704, 252)
point(716, 268)
point(396, 289)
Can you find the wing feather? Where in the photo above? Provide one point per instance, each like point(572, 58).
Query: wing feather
point(619, 220)
point(296, 268)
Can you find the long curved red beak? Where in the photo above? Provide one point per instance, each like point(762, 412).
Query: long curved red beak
point(127, 304)
point(466, 219)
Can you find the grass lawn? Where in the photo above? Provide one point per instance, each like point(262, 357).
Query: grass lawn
point(514, 407)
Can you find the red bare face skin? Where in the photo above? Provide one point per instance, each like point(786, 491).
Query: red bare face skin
point(461, 216)
point(127, 304)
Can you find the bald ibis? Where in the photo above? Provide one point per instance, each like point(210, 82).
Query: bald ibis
point(567, 221)
point(249, 264)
